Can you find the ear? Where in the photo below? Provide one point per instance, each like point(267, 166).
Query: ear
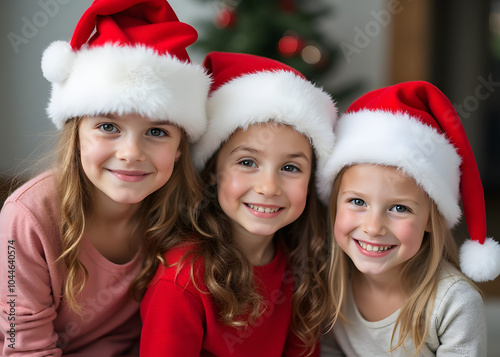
point(178, 153)
point(428, 227)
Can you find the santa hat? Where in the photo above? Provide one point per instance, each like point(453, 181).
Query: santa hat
point(128, 56)
point(249, 89)
point(414, 127)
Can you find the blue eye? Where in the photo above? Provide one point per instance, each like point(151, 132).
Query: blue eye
point(156, 132)
point(290, 168)
point(400, 209)
point(109, 128)
point(248, 163)
point(358, 202)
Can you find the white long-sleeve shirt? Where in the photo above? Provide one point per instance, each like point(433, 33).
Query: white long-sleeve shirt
point(457, 326)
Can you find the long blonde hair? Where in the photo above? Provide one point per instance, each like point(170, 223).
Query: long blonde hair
point(163, 217)
point(420, 275)
point(229, 274)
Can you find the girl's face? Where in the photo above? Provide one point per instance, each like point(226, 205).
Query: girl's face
point(128, 157)
point(262, 178)
point(381, 218)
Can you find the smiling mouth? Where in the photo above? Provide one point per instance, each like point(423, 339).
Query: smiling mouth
point(374, 248)
point(130, 173)
point(263, 209)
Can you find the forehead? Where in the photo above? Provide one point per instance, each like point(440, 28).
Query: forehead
point(265, 133)
point(371, 176)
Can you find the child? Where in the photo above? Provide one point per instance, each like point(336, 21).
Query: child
point(76, 238)
point(232, 291)
point(400, 160)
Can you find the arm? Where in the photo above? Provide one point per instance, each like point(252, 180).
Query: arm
point(26, 300)
point(173, 321)
point(461, 322)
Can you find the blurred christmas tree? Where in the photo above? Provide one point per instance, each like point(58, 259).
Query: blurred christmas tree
point(285, 30)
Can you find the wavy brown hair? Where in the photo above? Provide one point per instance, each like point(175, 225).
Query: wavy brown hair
point(229, 275)
point(163, 217)
point(420, 275)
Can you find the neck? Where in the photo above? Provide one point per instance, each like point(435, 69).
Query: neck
point(259, 250)
point(107, 211)
point(388, 282)
point(112, 230)
point(377, 297)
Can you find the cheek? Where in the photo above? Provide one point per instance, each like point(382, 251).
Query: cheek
point(164, 162)
point(92, 154)
point(93, 146)
point(230, 186)
point(297, 192)
point(411, 234)
point(344, 222)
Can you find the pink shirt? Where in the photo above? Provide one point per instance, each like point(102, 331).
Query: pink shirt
point(35, 319)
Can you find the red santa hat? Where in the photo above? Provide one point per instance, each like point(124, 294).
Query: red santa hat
point(128, 56)
point(414, 127)
point(249, 89)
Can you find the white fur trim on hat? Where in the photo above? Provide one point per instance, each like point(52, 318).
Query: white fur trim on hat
point(125, 79)
point(399, 140)
point(278, 96)
point(480, 262)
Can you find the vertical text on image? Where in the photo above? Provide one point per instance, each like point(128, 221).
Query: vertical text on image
point(11, 295)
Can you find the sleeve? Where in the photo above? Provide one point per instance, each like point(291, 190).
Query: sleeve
point(26, 300)
point(173, 321)
point(461, 322)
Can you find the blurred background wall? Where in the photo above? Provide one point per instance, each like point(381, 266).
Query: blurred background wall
point(348, 47)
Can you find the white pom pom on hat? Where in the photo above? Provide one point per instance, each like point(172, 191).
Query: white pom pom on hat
point(480, 262)
point(57, 61)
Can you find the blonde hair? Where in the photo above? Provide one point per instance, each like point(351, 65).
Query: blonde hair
point(420, 275)
point(162, 218)
point(229, 275)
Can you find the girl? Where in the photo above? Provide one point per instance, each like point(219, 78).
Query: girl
point(231, 291)
point(77, 238)
point(400, 160)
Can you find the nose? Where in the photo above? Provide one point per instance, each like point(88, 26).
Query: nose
point(373, 224)
point(130, 149)
point(268, 184)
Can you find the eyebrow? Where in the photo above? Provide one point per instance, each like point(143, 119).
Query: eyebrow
point(161, 122)
point(256, 151)
point(395, 199)
point(152, 122)
point(244, 148)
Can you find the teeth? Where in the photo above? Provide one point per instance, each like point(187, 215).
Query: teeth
point(263, 209)
point(375, 248)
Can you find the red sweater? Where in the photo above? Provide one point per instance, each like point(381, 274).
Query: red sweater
point(179, 320)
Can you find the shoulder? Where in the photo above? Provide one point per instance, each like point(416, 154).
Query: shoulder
point(458, 322)
point(451, 280)
point(455, 292)
point(31, 211)
point(183, 264)
point(39, 193)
